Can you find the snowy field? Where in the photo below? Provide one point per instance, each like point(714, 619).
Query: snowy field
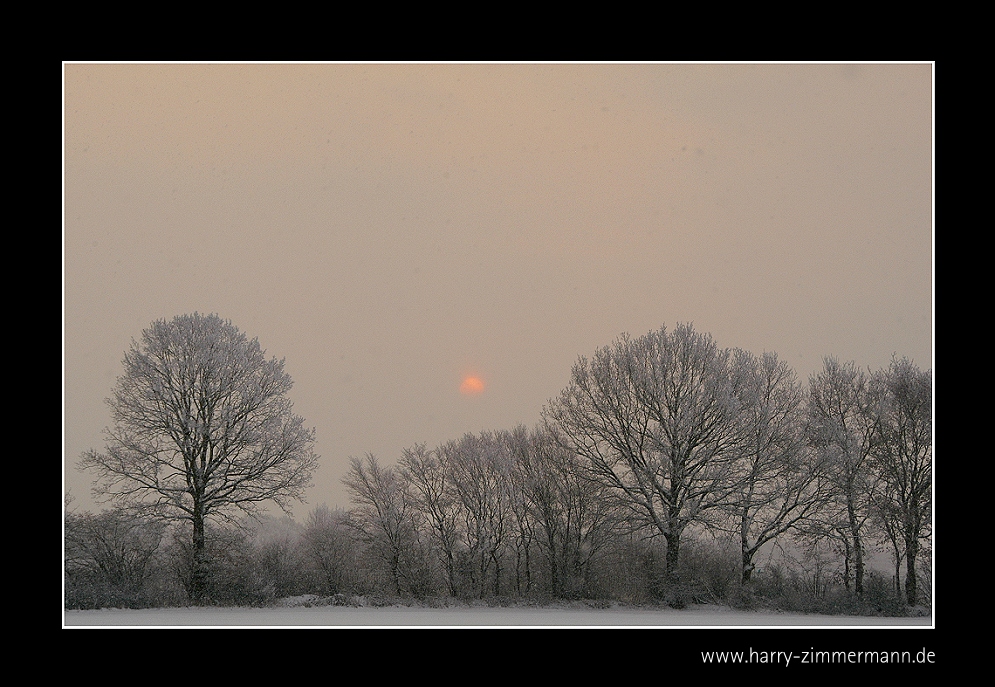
point(402, 616)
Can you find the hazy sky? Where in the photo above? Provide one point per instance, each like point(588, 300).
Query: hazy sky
point(390, 229)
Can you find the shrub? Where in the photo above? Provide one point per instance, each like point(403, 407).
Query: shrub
point(111, 560)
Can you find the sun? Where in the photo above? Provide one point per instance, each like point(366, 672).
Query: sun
point(471, 386)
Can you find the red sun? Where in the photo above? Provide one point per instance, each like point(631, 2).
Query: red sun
point(471, 386)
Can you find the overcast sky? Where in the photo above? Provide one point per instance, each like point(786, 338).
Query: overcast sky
point(390, 229)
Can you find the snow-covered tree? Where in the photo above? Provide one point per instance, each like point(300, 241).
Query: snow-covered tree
point(840, 426)
point(654, 418)
point(776, 481)
point(202, 428)
point(432, 493)
point(386, 520)
point(481, 468)
point(574, 517)
point(902, 456)
point(328, 545)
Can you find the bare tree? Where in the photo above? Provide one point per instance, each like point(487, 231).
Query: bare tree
point(328, 544)
point(841, 427)
point(574, 516)
point(902, 454)
point(279, 557)
point(389, 525)
point(480, 467)
point(776, 482)
point(202, 429)
point(433, 494)
point(654, 418)
point(380, 512)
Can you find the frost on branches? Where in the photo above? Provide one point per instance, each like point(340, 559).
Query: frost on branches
point(202, 428)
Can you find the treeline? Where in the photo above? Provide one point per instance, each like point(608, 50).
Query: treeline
point(668, 471)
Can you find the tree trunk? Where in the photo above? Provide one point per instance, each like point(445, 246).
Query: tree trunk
point(451, 572)
point(554, 568)
point(744, 544)
point(528, 569)
point(482, 572)
point(858, 548)
point(747, 565)
point(198, 575)
point(673, 537)
point(673, 553)
point(395, 571)
point(847, 561)
point(858, 566)
point(497, 573)
point(911, 553)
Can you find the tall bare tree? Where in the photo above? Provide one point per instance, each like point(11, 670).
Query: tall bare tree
point(202, 428)
point(432, 492)
point(776, 482)
point(517, 442)
point(575, 517)
point(654, 418)
point(382, 516)
point(902, 454)
point(841, 427)
point(480, 467)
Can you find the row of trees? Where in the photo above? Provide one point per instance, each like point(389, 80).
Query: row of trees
point(664, 436)
point(490, 514)
point(691, 434)
point(657, 444)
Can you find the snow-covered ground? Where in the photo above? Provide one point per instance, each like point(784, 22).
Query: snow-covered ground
point(402, 616)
